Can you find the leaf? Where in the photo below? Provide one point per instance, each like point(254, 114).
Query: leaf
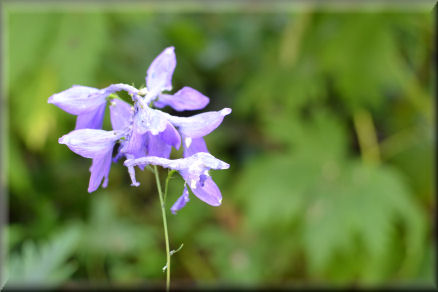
point(365, 203)
point(277, 197)
point(108, 233)
point(359, 53)
point(29, 36)
point(76, 52)
point(44, 263)
point(19, 175)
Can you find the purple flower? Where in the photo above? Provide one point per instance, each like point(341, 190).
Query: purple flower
point(146, 135)
point(97, 145)
point(87, 103)
point(194, 170)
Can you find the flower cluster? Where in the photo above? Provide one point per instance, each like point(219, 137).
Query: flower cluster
point(144, 134)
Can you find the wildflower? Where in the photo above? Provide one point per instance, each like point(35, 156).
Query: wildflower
point(146, 135)
point(143, 132)
point(97, 145)
point(194, 170)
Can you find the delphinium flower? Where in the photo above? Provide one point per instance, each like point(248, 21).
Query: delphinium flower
point(194, 170)
point(146, 134)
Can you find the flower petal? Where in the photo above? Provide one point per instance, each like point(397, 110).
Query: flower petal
point(92, 119)
point(120, 113)
point(77, 99)
point(99, 169)
point(156, 146)
point(185, 99)
point(208, 160)
point(208, 192)
point(181, 201)
point(90, 143)
point(199, 125)
point(198, 162)
point(193, 146)
point(155, 160)
point(131, 172)
point(171, 136)
point(159, 74)
point(136, 144)
point(161, 145)
point(150, 120)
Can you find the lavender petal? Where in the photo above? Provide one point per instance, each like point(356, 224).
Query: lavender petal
point(181, 201)
point(92, 119)
point(156, 146)
point(136, 145)
point(208, 192)
point(159, 74)
point(131, 172)
point(99, 169)
point(185, 99)
point(171, 136)
point(199, 125)
point(193, 146)
point(77, 99)
point(120, 113)
point(201, 160)
point(90, 143)
point(150, 120)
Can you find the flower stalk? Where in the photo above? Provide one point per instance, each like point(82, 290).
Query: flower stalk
point(166, 234)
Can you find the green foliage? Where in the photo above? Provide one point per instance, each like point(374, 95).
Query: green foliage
point(109, 233)
point(45, 263)
point(302, 203)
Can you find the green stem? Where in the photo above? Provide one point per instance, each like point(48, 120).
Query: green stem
point(169, 176)
point(166, 235)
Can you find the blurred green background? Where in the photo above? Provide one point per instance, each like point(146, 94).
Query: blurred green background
point(330, 144)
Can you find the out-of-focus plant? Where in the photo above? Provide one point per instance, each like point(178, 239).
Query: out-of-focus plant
point(44, 264)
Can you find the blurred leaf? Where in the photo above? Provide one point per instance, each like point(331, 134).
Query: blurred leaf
point(365, 202)
point(275, 199)
point(108, 233)
point(78, 48)
point(43, 264)
point(33, 116)
point(72, 53)
point(358, 50)
point(29, 36)
point(19, 174)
